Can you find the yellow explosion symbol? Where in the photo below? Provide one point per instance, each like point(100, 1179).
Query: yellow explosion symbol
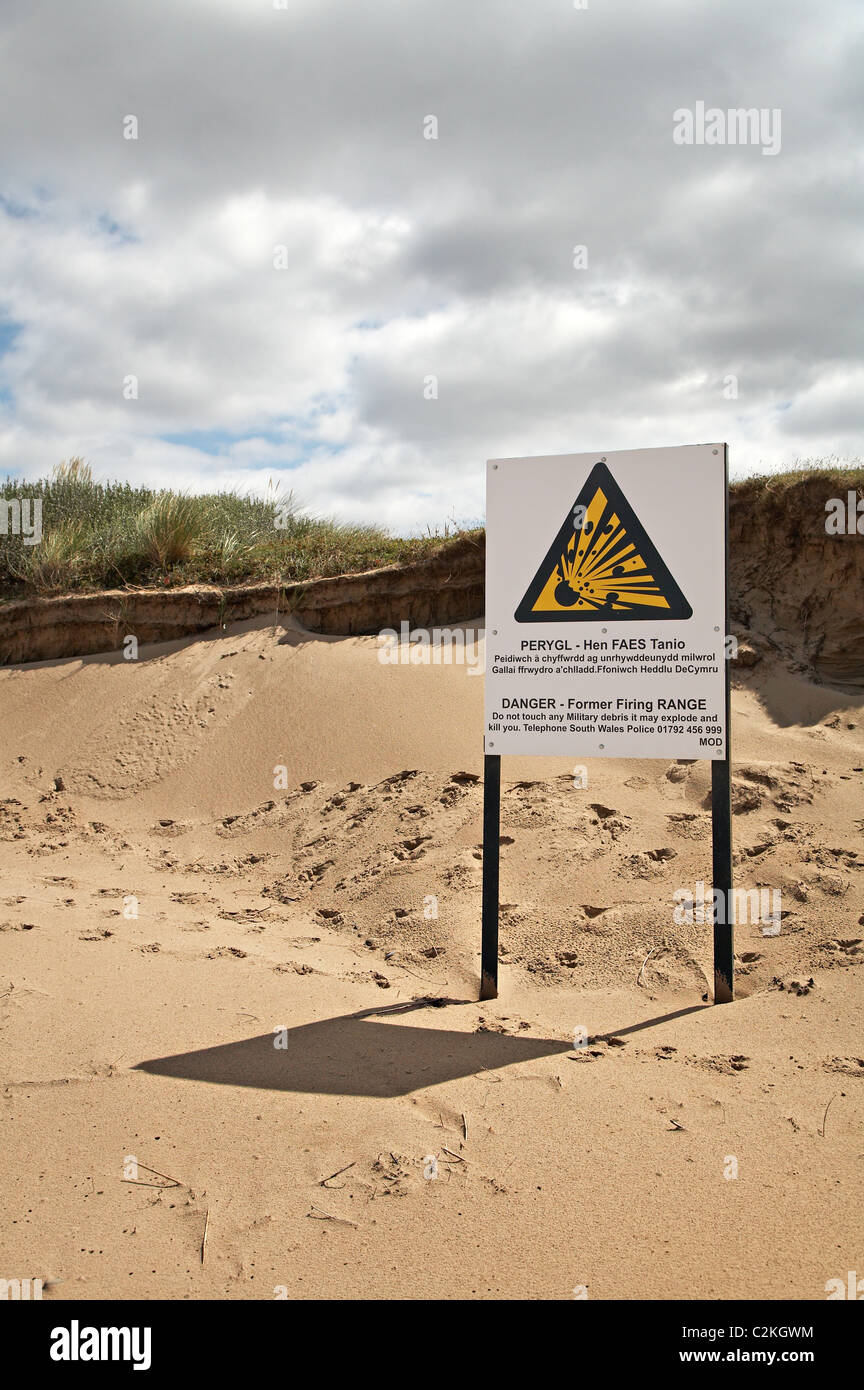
point(600, 568)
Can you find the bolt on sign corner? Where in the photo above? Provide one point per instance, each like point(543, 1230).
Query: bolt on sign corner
point(606, 604)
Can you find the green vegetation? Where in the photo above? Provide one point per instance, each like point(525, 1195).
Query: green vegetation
point(110, 535)
point(830, 470)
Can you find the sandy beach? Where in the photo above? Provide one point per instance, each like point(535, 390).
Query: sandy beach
point(243, 1056)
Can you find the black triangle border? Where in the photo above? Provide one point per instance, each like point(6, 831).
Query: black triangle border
point(678, 609)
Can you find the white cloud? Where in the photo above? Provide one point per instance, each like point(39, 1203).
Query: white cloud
point(403, 257)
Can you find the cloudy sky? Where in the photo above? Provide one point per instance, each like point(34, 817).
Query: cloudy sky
point(301, 285)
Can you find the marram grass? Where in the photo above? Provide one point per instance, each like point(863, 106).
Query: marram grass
point(109, 535)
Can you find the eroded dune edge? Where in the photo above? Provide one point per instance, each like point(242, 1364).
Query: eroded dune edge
point(239, 948)
point(792, 585)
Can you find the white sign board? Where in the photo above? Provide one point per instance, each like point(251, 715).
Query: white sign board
point(606, 604)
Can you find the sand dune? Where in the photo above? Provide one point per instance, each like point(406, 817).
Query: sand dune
point(267, 829)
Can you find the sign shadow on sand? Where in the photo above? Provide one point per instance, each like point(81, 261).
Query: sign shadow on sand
point(351, 1055)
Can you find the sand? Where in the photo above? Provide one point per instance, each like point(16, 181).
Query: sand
point(297, 994)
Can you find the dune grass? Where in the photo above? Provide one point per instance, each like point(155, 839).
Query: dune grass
point(111, 535)
point(846, 474)
point(107, 535)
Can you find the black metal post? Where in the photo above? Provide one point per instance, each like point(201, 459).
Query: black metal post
point(721, 826)
point(721, 822)
point(491, 850)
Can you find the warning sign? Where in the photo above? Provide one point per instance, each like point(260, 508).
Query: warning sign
point(602, 562)
point(630, 546)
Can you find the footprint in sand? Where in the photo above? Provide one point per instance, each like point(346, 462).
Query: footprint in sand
point(845, 1066)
